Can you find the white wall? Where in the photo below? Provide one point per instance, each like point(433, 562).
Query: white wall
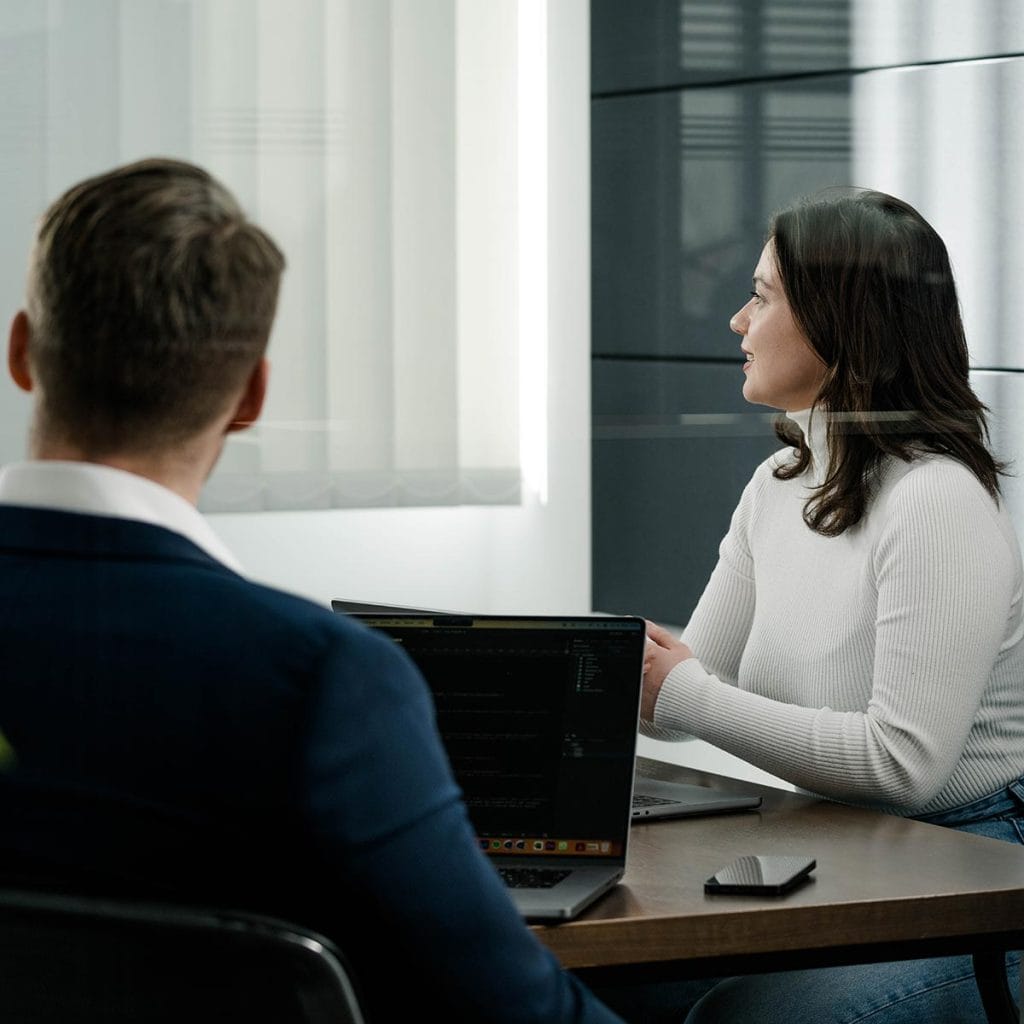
point(535, 557)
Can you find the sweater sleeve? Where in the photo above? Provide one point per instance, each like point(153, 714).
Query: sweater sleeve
point(945, 573)
point(718, 629)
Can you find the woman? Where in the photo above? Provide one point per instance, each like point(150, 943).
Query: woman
point(862, 634)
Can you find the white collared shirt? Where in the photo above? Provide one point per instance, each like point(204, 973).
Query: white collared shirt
point(104, 491)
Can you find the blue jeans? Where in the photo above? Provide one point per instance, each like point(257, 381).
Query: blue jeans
point(937, 991)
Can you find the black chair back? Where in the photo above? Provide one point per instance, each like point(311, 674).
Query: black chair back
point(82, 959)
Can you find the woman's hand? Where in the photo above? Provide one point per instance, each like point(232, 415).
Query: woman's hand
point(662, 653)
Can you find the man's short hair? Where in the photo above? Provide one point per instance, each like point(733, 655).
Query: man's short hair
point(150, 299)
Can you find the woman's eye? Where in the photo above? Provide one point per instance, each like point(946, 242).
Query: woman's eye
point(757, 298)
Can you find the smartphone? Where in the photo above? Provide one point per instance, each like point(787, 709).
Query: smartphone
point(761, 875)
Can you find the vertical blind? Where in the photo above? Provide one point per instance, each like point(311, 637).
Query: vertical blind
point(376, 141)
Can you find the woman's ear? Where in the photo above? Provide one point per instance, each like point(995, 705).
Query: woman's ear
point(17, 351)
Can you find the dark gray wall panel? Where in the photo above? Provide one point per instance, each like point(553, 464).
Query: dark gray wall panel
point(674, 444)
point(665, 43)
point(683, 186)
point(682, 42)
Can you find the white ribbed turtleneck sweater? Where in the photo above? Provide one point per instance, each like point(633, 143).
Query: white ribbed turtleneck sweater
point(883, 667)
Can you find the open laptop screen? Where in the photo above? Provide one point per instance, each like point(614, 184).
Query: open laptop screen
point(539, 719)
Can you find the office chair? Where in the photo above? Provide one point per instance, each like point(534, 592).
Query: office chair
point(84, 960)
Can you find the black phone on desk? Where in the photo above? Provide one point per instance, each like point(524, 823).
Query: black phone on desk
point(761, 875)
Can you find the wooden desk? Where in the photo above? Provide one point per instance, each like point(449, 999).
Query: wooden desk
point(884, 889)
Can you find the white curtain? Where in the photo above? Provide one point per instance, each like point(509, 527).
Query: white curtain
point(376, 141)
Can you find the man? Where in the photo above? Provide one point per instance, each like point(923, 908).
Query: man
point(169, 727)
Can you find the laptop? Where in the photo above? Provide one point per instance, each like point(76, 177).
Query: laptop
point(539, 719)
point(348, 607)
point(653, 799)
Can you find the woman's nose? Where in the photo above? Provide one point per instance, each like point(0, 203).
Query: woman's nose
point(739, 321)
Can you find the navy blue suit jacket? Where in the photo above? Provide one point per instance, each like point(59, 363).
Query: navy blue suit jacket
point(176, 729)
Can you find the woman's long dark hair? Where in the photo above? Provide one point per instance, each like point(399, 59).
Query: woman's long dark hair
point(870, 285)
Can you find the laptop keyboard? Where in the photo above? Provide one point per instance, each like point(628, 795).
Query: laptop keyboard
point(645, 800)
point(532, 878)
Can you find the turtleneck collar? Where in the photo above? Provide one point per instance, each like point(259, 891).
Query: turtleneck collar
point(814, 426)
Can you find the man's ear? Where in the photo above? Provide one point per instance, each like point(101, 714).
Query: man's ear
point(17, 351)
point(250, 404)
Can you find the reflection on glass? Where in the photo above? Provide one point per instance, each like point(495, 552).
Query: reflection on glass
point(778, 101)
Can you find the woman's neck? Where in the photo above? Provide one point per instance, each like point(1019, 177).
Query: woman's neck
point(814, 425)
